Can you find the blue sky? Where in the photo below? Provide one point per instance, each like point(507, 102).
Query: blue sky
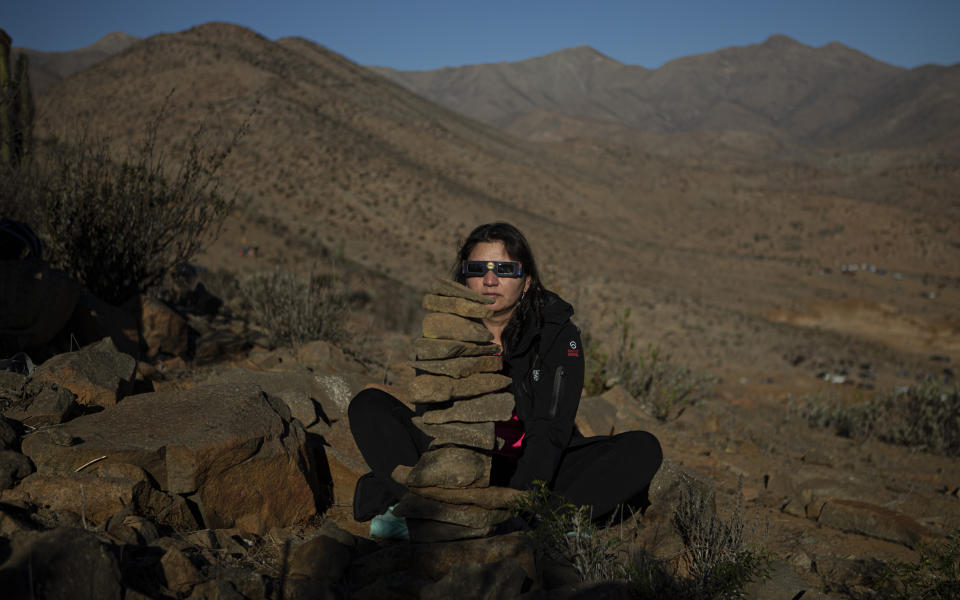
point(426, 34)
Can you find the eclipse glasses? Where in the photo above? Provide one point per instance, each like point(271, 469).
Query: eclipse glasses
point(500, 268)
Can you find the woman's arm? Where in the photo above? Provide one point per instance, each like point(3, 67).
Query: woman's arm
point(556, 396)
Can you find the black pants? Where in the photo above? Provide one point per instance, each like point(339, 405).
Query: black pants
point(602, 472)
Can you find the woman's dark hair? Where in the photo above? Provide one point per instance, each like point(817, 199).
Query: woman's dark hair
point(529, 307)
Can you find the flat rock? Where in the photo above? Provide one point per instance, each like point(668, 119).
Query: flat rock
point(226, 443)
point(457, 306)
point(873, 521)
point(475, 435)
point(427, 530)
point(492, 407)
point(440, 388)
point(489, 497)
point(596, 416)
point(344, 461)
point(460, 367)
point(420, 507)
point(448, 287)
point(451, 468)
point(98, 375)
point(453, 327)
point(8, 436)
point(332, 392)
point(433, 349)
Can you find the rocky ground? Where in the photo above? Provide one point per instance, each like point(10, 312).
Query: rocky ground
point(214, 466)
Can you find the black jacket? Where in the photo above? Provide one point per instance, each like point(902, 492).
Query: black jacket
point(547, 371)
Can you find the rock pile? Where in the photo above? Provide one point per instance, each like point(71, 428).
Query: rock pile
point(450, 496)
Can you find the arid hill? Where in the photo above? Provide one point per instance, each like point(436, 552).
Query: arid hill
point(828, 96)
point(730, 261)
point(47, 68)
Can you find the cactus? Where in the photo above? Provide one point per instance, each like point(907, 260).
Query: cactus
point(16, 106)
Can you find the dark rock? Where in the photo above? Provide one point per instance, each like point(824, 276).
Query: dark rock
point(67, 564)
point(470, 580)
point(435, 349)
point(463, 366)
point(492, 407)
point(248, 467)
point(419, 507)
point(48, 404)
point(871, 520)
point(9, 439)
point(321, 558)
point(98, 375)
point(13, 467)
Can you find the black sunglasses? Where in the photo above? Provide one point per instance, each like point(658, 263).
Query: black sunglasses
point(500, 268)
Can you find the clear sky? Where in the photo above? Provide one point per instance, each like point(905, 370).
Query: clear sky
point(427, 34)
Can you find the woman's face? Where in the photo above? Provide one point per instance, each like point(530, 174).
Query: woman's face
point(505, 291)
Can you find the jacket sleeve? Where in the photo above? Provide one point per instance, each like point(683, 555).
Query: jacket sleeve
point(556, 397)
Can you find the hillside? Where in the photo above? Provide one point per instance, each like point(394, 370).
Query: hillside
point(780, 89)
point(47, 68)
point(719, 258)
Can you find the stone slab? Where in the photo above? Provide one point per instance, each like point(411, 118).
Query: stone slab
point(457, 306)
point(420, 507)
point(451, 467)
point(460, 367)
point(475, 435)
point(447, 287)
point(453, 327)
point(492, 407)
point(433, 349)
point(440, 388)
point(490, 497)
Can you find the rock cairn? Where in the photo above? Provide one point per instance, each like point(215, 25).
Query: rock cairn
point(450, 496)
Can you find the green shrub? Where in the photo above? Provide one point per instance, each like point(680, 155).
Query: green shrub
point(935, 576)
point(665, 388)
point(293, 310)
point(925, 417)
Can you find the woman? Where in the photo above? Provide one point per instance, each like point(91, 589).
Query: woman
point(542, 354)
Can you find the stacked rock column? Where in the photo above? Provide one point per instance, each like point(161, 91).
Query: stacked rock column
point(450, 496)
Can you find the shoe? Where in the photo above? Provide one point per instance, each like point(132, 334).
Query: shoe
point(389, 526)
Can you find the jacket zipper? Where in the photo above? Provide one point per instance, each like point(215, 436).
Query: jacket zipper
point(557, 386)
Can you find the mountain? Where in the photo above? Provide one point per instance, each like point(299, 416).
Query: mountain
point(47, 68)
point(342, 165)
point(827, 96)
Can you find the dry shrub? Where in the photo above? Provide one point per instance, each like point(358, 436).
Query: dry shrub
point(651, 376)
point(119, 227)
point(925, 417)
point(293, 310)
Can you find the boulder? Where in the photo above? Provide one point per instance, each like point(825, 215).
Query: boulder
point(332, 392)
point(61, 564)
point(450, 468)
point(224, 443)
point(162, 329)
point(502, 579)
point(457, 306)
point(452, 327)
point(48, 404)
point(436, 349)
point(8, 435)
point(179, 574)
point(492, 407)
point(98, 374)
point(344, 461)
point(447, 287)
point(321, 558)
point(13, 467)
point(596, 416)
point(436, 560)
